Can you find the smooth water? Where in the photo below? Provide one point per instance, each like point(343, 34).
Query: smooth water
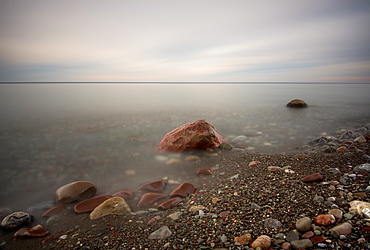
point(53, 134)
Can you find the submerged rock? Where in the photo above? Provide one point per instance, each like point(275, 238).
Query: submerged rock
point(183, 190)
point(191, 136)
point(297, 103)
point(90, 204)
point(155, 186)
point(74, 191)
point(161, 233)
point(148, 199)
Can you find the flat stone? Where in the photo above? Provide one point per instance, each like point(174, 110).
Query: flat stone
point(292, 235)
point(244, 239)
point(115, 205)
point(89, 205)
point(303, 243)
point(272, 223)
point(338, 214)
point(343, 229)
point(161, 233)
point(36, 231)
point(183, 190)
point(312, 178)
point(303, 224)
point(15, 220)
point(74, 191)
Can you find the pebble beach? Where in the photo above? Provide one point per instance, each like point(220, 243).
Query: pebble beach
point(245, 201)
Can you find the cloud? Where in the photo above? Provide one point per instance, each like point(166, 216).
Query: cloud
point(182, 40)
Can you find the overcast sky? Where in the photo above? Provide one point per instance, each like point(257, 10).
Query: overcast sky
point(178, 40)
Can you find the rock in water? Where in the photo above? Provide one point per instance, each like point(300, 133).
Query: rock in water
point(297, 103)
point(161, 233)
point(90, 204)
point(75, 191)
point(36, 231)
point(183, 190)
point(115, 205)
point(191, 136)
point(15, 220)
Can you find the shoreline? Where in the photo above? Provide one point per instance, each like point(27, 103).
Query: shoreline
point(237, 199)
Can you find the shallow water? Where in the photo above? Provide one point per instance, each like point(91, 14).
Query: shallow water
point(53, 134)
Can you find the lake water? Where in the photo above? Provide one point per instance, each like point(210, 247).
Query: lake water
point(53, 134)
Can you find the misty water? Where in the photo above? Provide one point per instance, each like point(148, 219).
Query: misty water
point(53, 134)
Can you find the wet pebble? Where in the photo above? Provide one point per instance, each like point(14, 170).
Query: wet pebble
point(303, 243)
point(161, 233)
point(15, 220)
point(303, 224)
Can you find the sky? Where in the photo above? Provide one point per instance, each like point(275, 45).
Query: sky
point(186, 41)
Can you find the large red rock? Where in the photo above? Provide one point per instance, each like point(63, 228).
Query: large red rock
point(191, 136)
point(74, 191)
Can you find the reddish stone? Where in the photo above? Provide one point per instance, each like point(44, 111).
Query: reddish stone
point(155, 186)
point(308, 235)
point(297, 103)
point(205, 171)
point(191, 136)
point(171, 203)
point(366, 228)
point(51, 237)
point(183, 190)
point(154, 220)
point(318, 239)
point(312, 178)
point(127, 195)
point(224, 213)
point(149, 198)
point(36, 231)
point(53, 210)
point(90, 204)
point(253, 163)
point(324, 219)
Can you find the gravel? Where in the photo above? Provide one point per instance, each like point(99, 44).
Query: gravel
point(234, 200)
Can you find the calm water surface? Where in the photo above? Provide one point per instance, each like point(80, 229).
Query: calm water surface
point(53, 134)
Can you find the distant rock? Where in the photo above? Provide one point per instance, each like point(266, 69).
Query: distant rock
point(197, 135)
point(297, 103)
point(74, 191)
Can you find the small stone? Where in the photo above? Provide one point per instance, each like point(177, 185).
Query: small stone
point(223, 238)
point(244, 239)
point(286, 246)
point(308, 235)
point(362, 167)
point(175, 216)
point(253, 163)
point(115, 205)
point(338, 214)
point(274, 169)
point(343, 229)
point(90, 204)
point(303, 224)
point(360, 139)
point(15, 220)
point(272, 223)
point(192, 158)
point(318, 199)
point(318, 239)
point(324, 219)
point(292, 235)
point(196, 208)
point(263, 241)
point(74, 191)
point(357, 206)
point(304, 243)
point(161, 233)
point(255, 206)
point(312, 178)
